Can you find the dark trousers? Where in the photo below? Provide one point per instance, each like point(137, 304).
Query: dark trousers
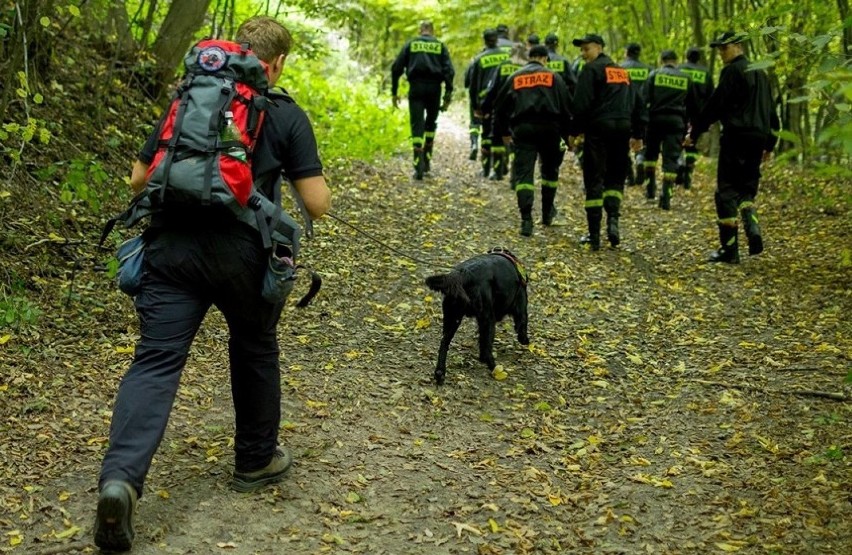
point(605, 167)
point(424, 102)
point(532, 141)
point(738, 174)
point(187, 272)
point(666, 135)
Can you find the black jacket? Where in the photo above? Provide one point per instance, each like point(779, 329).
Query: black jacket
point(743, 103)
point(506, 69)
point(423, 59)
point(485, 67)
point(562, 65)
point(605, 97)
point(533, 94)
point(702, 81)
point(670, 92)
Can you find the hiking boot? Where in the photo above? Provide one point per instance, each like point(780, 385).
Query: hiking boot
point(114, 521)
point(651, 187)
point(245, 482)
point(526, 228)
point(474, 151)
point(612, 233)
point(665, 201)
point(752, 230)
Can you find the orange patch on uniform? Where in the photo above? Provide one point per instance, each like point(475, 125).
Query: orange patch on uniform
point(617, 75)
point(527, 80)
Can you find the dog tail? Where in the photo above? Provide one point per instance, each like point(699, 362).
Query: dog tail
point(450, 285)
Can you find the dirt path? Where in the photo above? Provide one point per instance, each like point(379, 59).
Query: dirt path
point(659, 408)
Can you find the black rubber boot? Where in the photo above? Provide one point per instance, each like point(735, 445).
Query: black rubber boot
point(612, 232)
point(666, 195)
point(651, 185)
point(593, 238)
point(641, 175)
point(687, 175)
point(427, 156)
point(526, 227)
point(729, 251)
point(752, 230)
point(419, 163)
point(474, 145)
point(486, 162)
point(631, 175)
point(548, 210)
point(526, 198)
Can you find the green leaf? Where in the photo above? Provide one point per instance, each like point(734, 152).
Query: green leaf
point(38, 98)
point(45, 21)
point(73, 10)
point(849, 377)
point(761, 64)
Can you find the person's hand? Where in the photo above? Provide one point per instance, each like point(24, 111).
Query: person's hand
point(445, 106)
point(636, 145)
point(767, 156)
point(395, 101)
point(574, 141)
point(477, 113)
point(507, 140)
point(687, 142)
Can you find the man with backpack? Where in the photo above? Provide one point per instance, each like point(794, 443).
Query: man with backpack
point(426, 63)
point(202, 253)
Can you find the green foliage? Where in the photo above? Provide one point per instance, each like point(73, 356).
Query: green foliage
point(16, 310)
point(340, 99)
point(83, 183)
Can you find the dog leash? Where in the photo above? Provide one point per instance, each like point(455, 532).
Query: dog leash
point(387, 246)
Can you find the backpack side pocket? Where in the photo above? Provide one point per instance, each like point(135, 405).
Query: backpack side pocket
point(131, 256)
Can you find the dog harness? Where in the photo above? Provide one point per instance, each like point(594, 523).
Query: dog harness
point(507, 254)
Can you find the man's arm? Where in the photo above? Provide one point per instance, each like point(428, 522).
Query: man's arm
point(315, 194)
point(398, 68)
point(137, 176)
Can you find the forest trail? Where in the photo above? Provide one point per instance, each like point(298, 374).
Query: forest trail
point(662, 406)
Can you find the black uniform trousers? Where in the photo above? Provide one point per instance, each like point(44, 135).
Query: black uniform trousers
point(664, 133)
point(531, 141)
point(738, 174)
point(186, 272)
point(605, 149)
point(424, 103)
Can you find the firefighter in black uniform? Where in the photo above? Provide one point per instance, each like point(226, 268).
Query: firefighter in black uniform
point(485, 68)
point(426, 63)
point(743, 103)
point(534, 103)
point(499, 151)
point(671, 104)
point(638, 72)
point(606, 114)
point(475, 126)
point(503, 40)
point(558, 63)
point(702, 84)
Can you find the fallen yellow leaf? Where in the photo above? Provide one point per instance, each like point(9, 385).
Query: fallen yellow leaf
point(499, 374)
point(5, 339)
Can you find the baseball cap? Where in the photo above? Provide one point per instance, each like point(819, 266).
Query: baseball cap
point(589, 38)
point(728, 37)
point(538, 51)
point(668, 55)
point(634, 49)
point(533, 39)
point(502, 28)
point(551, 38)
point(693, 54)
point(489, 35)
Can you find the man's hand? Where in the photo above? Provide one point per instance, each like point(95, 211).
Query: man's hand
point(687, 142)
point(636, 144)
point(507, 140)
point(575, 141)
point(477, 113)
point(395, 101)
point(446, 104)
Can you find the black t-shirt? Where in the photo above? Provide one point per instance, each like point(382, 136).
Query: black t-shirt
point(287, 145)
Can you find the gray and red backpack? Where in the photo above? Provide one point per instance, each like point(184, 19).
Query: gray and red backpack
point(206, 143)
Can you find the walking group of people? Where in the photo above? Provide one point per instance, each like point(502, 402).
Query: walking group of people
point(527, 103)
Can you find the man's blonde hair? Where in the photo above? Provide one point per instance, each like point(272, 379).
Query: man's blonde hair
point(266, 37)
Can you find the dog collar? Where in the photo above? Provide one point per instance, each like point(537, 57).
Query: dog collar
point(507, 254)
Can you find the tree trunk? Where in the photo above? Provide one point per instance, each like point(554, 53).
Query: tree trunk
point(845, 14)
point(118, 26)
point(695, 18)
point(182, 21)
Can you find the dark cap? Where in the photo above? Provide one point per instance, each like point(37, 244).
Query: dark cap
point(489, 35)
point(589, 38)
point(634, 49)
point(728, 37)
point(503, 28)
point(538, 51)
point(693, 54)
point(668, 56)
point(551, 38)
point(533, 39)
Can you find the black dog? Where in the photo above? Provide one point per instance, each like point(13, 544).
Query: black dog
point(487, 287)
